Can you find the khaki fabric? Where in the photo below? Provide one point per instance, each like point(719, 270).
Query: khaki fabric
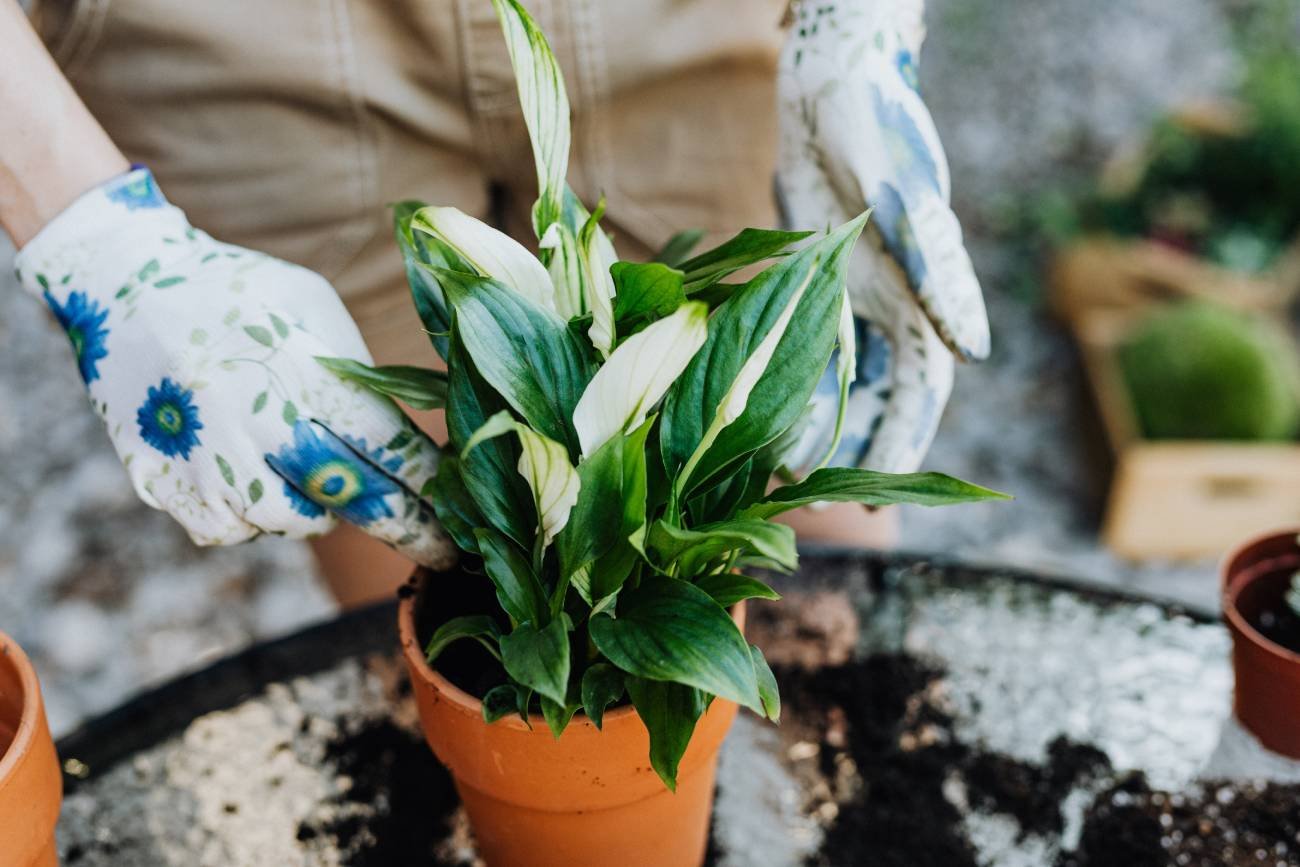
point(289, 126)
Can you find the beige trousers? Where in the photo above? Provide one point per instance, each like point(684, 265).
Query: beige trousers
point(289, 125)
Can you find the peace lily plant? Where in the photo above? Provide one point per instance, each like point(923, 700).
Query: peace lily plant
point(613, 429)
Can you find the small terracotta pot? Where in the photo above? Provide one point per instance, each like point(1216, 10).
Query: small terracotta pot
point(31, 784)
point(588, 798)
point(1267, 694)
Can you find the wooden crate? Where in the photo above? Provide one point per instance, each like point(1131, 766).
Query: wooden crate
point(1101, 273)
point(1180, 499)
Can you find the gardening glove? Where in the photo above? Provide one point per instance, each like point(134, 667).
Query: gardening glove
point(200, 357)
point(856, 135)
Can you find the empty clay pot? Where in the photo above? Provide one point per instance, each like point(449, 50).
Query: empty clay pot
point(1267, 694)
point(31, 784)
point(589, 798)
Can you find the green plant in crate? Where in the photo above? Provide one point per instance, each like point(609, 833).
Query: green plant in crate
point(613, 430)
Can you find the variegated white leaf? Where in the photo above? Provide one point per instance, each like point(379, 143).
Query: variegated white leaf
point(638, 374)
point(733, 404)
point(492, 253)
point(545, 106)
point(544, 464)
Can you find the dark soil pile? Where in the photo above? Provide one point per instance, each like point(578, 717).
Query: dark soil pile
point(900, 740)
point(904, 751)
point(399, 805)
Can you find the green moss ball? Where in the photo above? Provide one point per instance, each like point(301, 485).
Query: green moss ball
point(1199, 371)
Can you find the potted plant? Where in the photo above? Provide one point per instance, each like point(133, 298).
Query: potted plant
point(31, 785)
point(613, 429)
point(1261, 603)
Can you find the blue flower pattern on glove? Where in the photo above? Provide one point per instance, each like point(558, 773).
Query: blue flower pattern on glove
point(910, 156)
point(83, 321)
point(169, 420)
point(325, 472)
point(137, 190)
point(907, 69)
point(890, 217)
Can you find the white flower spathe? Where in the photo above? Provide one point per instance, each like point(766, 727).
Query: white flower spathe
point(846, 369)
point(638, 374)
point(598, 256)
point(492, 253)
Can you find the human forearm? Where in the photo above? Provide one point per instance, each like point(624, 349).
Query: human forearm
point(51, 149)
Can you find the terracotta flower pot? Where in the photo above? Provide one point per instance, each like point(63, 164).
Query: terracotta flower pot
point(31, 784)
point(588, 798)
point(1267, 694)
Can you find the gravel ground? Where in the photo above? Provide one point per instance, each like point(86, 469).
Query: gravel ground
point(108, 596)
point(1145, 688)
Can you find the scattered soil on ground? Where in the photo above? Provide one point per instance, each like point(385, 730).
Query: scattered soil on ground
point(1217, 825)
point(400, 806)
point(905, 783)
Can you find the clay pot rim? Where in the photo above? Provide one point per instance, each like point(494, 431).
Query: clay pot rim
point(1238, 623)
point(32, 711)
point(462, 700)
point(1226, 579)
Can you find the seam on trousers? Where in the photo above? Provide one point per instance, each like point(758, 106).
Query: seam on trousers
point(88, 17)
point(360, 228)
point(594, 65)
point(487, 145)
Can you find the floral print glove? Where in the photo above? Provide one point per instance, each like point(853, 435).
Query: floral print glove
point(201, 359)
point(855, 135)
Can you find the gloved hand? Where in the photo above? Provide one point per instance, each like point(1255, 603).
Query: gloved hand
point(201, 359)
point(855, 135)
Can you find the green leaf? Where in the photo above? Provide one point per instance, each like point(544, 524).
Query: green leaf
point(602, 685)
point(727, 588)
point(260, 334)
point(667, 629)
point(679, 246)
point(611, 505)
point(768, 691)
point(168, 282)
point(477, 626)
point(747, 248)
point(150, 268)
point(490, 473)
point(417, 387)
point(692, 550)
point(226, 472)
point(693, 407)
point(500, 701)
point(281, 328)
point(518, 588)
point(452, 503)
point(539, 658)
point(289, 412)
point(545, 106)
point(645, 292)
point(419, 252)
point(527, 354)
point(255, 490)
point(259, 402)
point(557, 715)
point(669, 711)
point(870, 488)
